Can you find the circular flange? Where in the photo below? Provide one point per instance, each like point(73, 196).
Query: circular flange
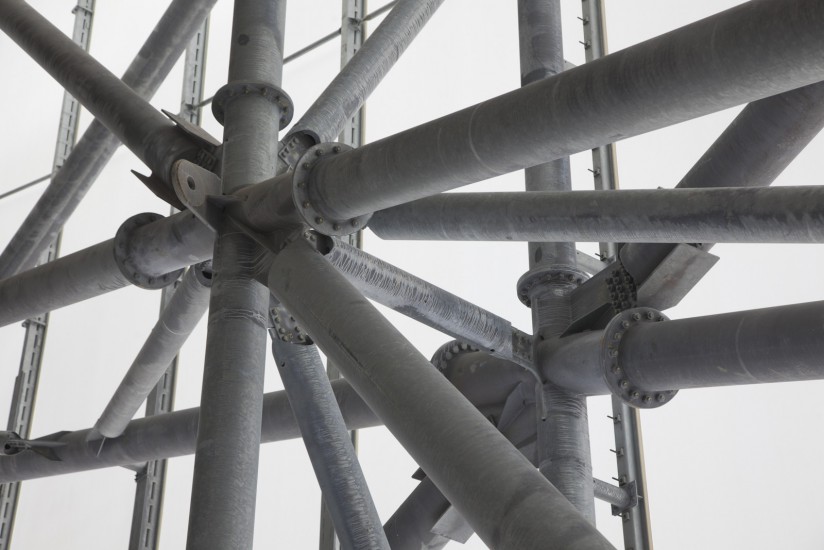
point(123, 254)
point(270, 92)
point(540, 276)
point(302, 196)
point(204, 273)
point(614, 374)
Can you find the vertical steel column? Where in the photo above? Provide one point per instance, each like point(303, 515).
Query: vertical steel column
point(34, 340)
point(352, 35)
point(150, 483)
point(224, 488)
point(626, 420)
point(604, 163)
point(563, 435)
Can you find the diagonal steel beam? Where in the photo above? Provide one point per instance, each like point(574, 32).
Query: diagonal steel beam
point(329, 445)
point(97, 145)
point(464, 457)
point(152, 137)
point(328, 115)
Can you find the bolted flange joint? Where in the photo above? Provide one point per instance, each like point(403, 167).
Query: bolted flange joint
point(614, 373)
point(308, 205)
point(124, 255)
point(270, 92)
point(284, 326)
point(540, 278)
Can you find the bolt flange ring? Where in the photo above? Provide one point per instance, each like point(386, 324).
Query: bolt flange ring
point(306, 206)
point(614, 374)
point(123, 254)
point(269, 92)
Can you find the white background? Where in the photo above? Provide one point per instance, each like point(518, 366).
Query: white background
point(727, 468)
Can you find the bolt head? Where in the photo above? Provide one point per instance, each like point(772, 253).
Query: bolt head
point(355, 223)
point(650, 315)
point(635, 395)
point(661, 397)
point(647, 399)
point(318, 153)
point(624, 383)
point(319, 220)
point(624, 324)
point(636, 316)
point(306, 166)
point(336, 149)
point(336, 227)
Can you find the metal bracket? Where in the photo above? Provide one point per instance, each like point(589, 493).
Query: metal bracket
point(304, 203)
point(194, 187)
point(206, 156)
point(614, 375)
point(123, 254)
point(285, 327)
point(674, 277)
point(269, 92)
point(631, 489)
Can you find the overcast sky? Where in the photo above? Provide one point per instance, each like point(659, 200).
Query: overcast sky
point(727, 468)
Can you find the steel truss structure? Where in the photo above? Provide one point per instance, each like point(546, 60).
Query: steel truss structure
point(264, 233)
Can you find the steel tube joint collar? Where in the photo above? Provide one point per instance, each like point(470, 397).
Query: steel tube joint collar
point(124, 254)
point(615, 374)
point(272, 93)
point(541, 278)
point(307, 203)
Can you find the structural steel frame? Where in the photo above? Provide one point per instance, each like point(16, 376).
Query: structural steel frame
point(266, 230)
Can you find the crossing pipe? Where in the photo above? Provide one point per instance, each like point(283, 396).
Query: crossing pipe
point(755, 148)
point(734, 215)
point(177, 321)
point(173, 434)
point(329, 446)
point(503, 497)
point(650, 358)
point(428, 304)
point(166, 436)
point(97, 145)
point(751, 51)
point(146, 132)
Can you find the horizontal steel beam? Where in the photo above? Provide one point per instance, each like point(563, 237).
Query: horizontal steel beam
point(777, 344)
point(155, 249)
point(166, 436)
point(144, 130)
point(748, 215)
point(751, 51)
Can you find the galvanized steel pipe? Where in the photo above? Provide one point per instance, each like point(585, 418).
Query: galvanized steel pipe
point(141, 128)
point(423, 301)
point(157, 248)
point(709, 65)
point(167, 436)
point(342, 98)
point(224, 485)
point(518, 510)
point(747, 215)
point(176, 323)
point(97, 145)
point(329, 446)
point(777, 344)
